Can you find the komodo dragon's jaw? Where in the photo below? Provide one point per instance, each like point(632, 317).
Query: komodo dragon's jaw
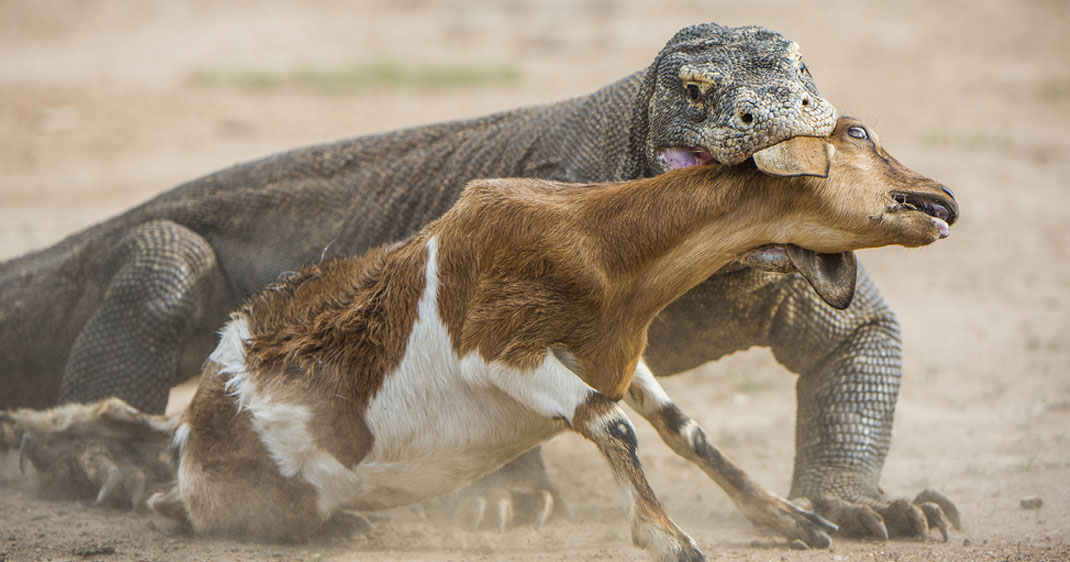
point(723, 93)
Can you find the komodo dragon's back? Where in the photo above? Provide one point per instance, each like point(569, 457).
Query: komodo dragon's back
point(130, 306)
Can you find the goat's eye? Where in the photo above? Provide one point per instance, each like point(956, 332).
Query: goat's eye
point(693, 92)
point(858, 133)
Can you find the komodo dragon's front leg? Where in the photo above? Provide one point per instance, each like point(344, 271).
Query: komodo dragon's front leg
point(849, 369)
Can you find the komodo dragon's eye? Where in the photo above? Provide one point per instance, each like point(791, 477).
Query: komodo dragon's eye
point(857, 132)
point(693, 92)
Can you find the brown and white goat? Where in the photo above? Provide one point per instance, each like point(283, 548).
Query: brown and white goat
point(383, 380)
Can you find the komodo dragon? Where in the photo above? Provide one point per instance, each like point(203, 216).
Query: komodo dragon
point(131, 306)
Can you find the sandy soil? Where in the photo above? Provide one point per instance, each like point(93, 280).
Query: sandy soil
point(101, 108)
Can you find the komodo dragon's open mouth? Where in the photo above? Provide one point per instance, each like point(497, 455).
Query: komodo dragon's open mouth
point(677, 157)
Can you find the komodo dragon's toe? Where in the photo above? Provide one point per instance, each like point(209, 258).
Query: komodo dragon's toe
point(883, 518)
point(519, 494)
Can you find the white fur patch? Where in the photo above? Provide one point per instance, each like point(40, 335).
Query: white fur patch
point(440, 420)
point(230, 352)
point(181, 438)
point(653, 396)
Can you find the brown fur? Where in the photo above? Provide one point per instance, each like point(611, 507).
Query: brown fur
point(330, 336)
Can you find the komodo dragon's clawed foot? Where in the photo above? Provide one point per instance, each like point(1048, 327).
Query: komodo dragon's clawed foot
point(343, 524)
point(520, 493)
point(888, 519)
point(107, 452)
point(493, 504)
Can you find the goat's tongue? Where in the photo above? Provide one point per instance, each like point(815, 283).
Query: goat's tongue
point(831, 275)
point(945, 230)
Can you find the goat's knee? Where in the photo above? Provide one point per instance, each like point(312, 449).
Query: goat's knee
point(260, 505)
point(169, 506)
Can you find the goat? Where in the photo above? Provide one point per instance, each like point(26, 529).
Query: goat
point(382, 380)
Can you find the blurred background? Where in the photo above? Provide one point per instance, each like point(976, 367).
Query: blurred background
point(105, 103)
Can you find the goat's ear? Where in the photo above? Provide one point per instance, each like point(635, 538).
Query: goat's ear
point(797, 156)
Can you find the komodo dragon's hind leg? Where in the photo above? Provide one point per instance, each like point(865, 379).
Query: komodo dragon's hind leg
point(153, 326)
point(105, 450)
point(159, 310)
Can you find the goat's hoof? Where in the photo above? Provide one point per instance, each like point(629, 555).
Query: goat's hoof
point(665, 544)
point(791, 521)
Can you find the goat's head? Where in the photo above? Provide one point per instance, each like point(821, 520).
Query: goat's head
point(856, 196)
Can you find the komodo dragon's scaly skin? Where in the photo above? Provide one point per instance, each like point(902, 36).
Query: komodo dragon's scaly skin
point(130, 306)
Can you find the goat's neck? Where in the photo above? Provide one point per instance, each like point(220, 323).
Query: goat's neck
point(660, 237)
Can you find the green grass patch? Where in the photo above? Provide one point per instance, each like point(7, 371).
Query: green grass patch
point(381, 74)
point(966, 140)
point(1054, 89)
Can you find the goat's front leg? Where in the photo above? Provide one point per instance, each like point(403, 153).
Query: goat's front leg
point(556, 392)
point(687, 439)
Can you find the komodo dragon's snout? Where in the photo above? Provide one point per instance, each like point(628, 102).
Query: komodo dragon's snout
point(722, 104)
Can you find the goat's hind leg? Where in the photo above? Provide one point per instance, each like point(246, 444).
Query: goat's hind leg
point(228, 483)
point(556, 392)
point(687, 439)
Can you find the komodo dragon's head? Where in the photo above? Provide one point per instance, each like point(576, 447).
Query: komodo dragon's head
point(724, 93)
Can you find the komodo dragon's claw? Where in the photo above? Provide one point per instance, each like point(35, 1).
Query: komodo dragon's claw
point(24, 446)
point(496, 507)
point(106, 451)
point(883, 519)
point(520, 494)
point(10, 435)
point(948, 508)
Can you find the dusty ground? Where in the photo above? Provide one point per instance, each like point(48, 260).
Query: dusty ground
point(106, 103)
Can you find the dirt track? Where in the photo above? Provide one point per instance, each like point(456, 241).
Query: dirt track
point(106, 103)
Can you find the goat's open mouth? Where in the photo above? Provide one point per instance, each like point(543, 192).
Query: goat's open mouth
point(943, 211)
point(676, 157)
